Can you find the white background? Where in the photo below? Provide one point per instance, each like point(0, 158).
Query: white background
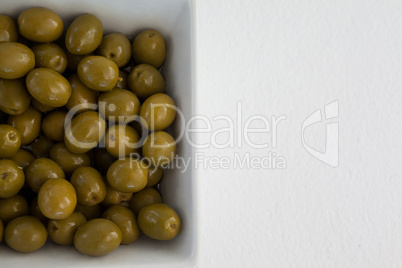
point(291, 58)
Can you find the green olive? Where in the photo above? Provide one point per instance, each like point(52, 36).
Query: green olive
point(102, 160)
point(84, 132)
point(12, 178)
point(159, 148)
point(40, 171)
point(98, 73)
point(16, 60)
point(154, 176)
point(40, 25)
point(97, 237)
point(23, 158)
point(89, 186)
point(125, 220)
point(28, 124)
point(14, 96)
point(57, 199)
point(158, 112)
point(67, 160)
point(13, 207)
point(145, 80)
point(122, 80)
point(81, 95)
point(116, 47)
point(144, 198)
point(62, 231)
point(159, 221)
point(10, 141)
point(114, 197)
point(53, 125)
point(128, 175)
point(50, 56)
point(91, 212)
point(122, 141)
point(41, 107)
point(48, 86)
point(149, 47)
point(8, 30)
point(84, 34)
point(119, 105)
point(25, 234)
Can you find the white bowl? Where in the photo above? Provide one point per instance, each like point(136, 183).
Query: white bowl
point(175, 20)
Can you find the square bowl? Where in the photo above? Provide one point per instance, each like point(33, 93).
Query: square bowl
point(175, 20)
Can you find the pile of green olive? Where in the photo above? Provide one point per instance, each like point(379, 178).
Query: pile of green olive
point(82, 140)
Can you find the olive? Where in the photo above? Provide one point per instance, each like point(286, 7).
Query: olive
point(53, 125)
point(149, 47)
point(10, 141)
point(114, 197)
point(12, 178)
point(128, 175)
point(57, 199)
point(23, 158)
point(81, 95)
point(89, 186)
point(98, 73)
point(34, 210)
point(125, 220)
point(41, 107)
point(159, 148)
point(91, 212)
point(84, 132)
point(14, 96)
point(67, 160)
point(116, 47)
point(8, 30)
point(48, 86)
point(159, 221)
point(40, 25)
point(13, 207)
point(102, 160)
point(97, 237)
point(28, 124)
point(158, 112)
point(84, 34)
point(50, 56)
point(122, 141)
point(62, 231)
point(144, 198)
point(16, 60)
point(119, 105)
point(145, 80)
point(40, 171)
point(122, 80)
point(155, 174)
point(25, 234)
point(41, 146)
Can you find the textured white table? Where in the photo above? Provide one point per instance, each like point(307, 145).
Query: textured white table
point(291, 58)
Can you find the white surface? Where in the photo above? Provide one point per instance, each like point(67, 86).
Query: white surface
point(291, 58)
